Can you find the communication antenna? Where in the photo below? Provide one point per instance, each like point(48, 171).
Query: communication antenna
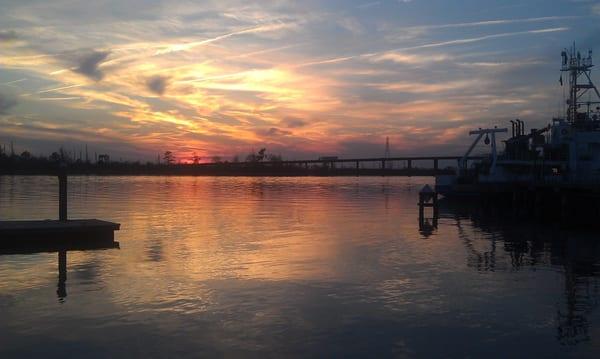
point(578, 68)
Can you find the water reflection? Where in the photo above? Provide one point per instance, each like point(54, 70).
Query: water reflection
point(61, 249)
point(296, 267)
point(574, 252)
point(61, 291)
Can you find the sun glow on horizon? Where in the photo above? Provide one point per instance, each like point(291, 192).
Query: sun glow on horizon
point(299, 79)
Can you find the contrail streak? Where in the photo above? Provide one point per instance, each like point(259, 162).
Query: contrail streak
point(191, 45)
point(59, 88)
point(59, 98)
point(490, 22)
point(13, 82)
point(434, 44)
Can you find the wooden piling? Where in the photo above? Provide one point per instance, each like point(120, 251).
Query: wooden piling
point(62, 195)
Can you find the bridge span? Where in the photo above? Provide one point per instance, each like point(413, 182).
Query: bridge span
point(373, 163)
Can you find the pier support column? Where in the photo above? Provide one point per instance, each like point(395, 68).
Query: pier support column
point(357, 169)
point(62, 195)
point(435, 165)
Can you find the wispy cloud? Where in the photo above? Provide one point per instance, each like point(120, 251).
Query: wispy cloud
point(368, 5)
point(6, 103)
point(8, 35)
point(418, 88)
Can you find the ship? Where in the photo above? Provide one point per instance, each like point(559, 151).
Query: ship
point(565, 154)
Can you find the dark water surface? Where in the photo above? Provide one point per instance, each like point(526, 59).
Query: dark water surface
point(294, 267)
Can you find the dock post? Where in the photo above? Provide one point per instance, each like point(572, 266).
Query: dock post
point(435, 165)
point(409, 162)
point(357, 169)
point(428, 198)
point(62, 194)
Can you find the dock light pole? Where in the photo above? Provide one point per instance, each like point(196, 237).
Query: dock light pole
point(62, 192)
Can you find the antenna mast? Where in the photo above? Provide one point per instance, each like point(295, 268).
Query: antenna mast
point(576, 67)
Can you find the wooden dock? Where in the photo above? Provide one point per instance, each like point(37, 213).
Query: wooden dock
point(55, 233)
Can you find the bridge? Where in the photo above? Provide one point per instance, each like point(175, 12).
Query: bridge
point(324, 166)
point(330, 163)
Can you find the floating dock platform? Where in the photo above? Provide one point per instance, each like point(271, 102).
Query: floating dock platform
point(57, 235)
point(54, 235)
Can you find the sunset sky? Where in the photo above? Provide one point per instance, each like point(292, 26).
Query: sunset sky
point(301, 78)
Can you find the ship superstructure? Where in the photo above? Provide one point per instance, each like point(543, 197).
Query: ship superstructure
point(567, 151)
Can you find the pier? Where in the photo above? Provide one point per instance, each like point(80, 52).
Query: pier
point(24, 236)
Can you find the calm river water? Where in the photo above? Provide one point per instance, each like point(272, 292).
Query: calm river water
point(281, 267)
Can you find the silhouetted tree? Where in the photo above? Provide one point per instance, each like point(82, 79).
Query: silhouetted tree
point(25, 155)
point(256, 157)
point(196, 159)
point(54, 157)
point(64, 155)
point(169, 157)
point(216, 159)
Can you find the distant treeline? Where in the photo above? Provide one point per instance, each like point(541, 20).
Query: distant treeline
point(256, 164)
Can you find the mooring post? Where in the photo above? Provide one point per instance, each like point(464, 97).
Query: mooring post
point(62, 193)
